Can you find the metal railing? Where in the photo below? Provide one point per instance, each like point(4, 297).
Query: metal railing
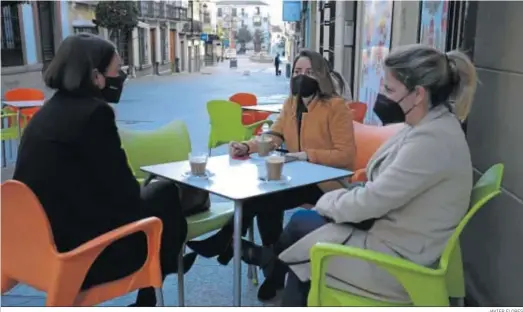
point(162, 10)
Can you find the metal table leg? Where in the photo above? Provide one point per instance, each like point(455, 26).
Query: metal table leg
point(237, 274)
point(19, 126)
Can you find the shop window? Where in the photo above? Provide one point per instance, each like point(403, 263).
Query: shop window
point(12, 54)
point(375, 45)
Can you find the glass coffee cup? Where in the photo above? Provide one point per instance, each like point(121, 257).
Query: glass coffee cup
point(264, 144)
point(198, 163)
point(274, 167)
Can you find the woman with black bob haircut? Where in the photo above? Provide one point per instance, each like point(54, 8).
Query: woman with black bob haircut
point(70, 155)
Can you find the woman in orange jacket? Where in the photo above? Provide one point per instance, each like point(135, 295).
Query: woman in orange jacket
point(316, 126)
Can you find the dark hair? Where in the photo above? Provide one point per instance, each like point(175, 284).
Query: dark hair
point(72, 67)
point(340, 82)
point(321, 71)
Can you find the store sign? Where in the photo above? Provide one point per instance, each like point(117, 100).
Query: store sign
point(375, 45)
point(291, 11)
point(433, 26)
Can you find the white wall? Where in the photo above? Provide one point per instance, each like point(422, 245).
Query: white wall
point(405, 23)
point(339, 54)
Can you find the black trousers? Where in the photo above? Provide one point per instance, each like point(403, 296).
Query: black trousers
point(269, 209)
point(277, 67)
point(128, 254)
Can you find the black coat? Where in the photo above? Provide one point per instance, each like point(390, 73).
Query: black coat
point(70, 155)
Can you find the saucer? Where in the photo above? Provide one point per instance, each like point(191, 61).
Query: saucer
point(256, 156)
point(189, 175)
point(283, 180)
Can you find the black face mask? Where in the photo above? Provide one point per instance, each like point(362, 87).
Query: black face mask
point(390, 111)
point(113, 88)
point(304, 86)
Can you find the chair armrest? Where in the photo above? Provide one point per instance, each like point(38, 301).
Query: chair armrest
point(425, 286)
point(74, 265)
point(258, 123)
point(359, 175)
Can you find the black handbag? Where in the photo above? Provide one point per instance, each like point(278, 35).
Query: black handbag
point(192, 200)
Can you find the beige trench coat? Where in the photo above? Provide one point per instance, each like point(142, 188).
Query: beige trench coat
point(419, 188)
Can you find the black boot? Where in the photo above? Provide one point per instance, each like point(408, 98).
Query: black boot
point(257, 255)
point(211, 246)
point(145, 298)
point(274, 281)
point(188, 261)
point(267, 260)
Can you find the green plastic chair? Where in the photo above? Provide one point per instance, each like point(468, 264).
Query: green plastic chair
point(172, 143)
point(226, 123)
point(425, 286)
point(10, 132)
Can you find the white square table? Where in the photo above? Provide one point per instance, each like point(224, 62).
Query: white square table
point(271, 108)
point(21, 105)
point(238, 180)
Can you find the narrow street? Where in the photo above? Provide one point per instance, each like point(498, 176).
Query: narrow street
point(149, 102)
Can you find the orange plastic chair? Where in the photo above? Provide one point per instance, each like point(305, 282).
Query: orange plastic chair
point(368, 139)
point(246, 99)
point(29, 254)
point(359, 109)
point(25, 94)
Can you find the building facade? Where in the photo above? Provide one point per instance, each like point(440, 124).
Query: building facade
point(30, 34)
point(167, 37)
point(252, 15)
point(355, 36)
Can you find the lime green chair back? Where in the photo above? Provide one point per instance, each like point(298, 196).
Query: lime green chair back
point(487, 187)
point(425, 286)
point(226, 123)
point(169, 143)
point(9, 129)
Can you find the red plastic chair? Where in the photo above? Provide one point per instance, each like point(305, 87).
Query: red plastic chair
point(359, 109)
point(261, 116)
point(25, 94)
point(246, 99)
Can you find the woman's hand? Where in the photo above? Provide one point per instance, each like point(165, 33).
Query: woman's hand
point(299, 155)
point(238, 149)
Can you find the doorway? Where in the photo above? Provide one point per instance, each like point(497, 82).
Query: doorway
point(153, 45)
point(46, 23)
point(190, 49)
point(183, 52)
point(172, 42)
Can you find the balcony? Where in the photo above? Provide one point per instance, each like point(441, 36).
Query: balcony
point(193, 27)
point(206, 18)
point(162, 10)
point(176, 13)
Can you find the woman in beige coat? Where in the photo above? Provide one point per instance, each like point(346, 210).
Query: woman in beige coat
point(418, 188)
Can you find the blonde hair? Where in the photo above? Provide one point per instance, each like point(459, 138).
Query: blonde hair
point(321, 72)
point(450, 78)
